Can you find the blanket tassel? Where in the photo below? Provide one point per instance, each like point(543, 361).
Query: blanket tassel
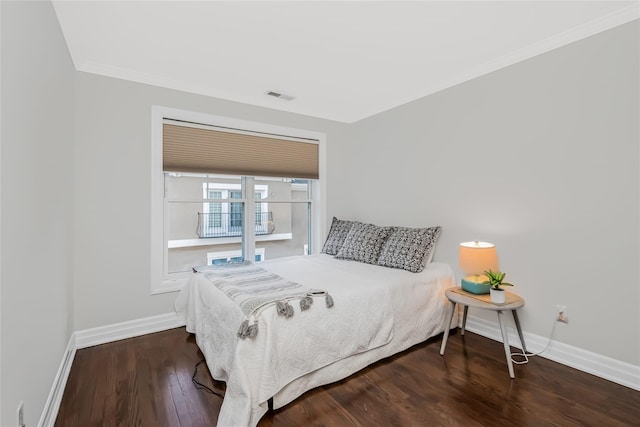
point(252, 331)
point(281, 307)
point(289, 312)
point(247, 330)
point(284, 309)
point(305, 303)
point(244, 329)
point(328, 300)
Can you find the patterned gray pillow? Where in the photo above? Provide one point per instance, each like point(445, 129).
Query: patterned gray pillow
point(337, 234)
point(363, 243)
point(410, 249)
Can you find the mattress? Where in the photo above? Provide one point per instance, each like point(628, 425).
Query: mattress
point(377, 312)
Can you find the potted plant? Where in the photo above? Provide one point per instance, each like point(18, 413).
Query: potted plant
point(495, 280)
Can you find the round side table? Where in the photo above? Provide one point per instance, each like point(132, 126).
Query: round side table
point(513, 302)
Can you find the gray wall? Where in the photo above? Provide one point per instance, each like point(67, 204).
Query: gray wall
point(540, 158)
point(36, 168)
point(112, 169)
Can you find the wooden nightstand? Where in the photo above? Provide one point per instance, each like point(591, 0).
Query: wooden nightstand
point(513, 302)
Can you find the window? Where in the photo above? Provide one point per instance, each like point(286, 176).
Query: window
point(259, 219)
point(236, 211)
point(196, 215)
point(221, 258)
point(208, 213)
point(215, 210)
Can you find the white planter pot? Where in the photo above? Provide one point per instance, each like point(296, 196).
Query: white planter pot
point(499, 296)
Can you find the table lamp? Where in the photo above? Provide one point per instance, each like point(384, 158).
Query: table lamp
point(474, 259)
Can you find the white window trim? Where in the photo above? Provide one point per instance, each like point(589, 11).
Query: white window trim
point(159, 283)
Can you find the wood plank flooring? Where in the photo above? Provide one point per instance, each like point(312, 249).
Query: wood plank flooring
point(146, 381)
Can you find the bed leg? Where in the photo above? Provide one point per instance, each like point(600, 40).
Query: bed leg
point(270, 403)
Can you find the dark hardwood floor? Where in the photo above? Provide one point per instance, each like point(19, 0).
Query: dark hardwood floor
point(146, 381)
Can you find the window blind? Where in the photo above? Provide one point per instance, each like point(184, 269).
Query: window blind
point(203, 149)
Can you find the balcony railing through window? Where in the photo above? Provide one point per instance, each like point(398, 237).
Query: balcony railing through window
point(229, 224)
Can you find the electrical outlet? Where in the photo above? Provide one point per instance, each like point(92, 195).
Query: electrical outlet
point(21, 414)
point(563, 314)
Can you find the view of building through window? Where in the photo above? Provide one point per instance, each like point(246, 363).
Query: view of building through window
point(205, 219)
point(219, 219)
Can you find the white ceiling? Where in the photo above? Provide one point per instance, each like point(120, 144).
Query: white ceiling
point(342, 61)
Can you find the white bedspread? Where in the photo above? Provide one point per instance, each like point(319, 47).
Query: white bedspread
point(378, 311)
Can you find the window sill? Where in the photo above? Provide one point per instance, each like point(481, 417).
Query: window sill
point(186, 243)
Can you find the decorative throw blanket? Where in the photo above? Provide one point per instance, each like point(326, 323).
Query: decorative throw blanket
point(255, 289)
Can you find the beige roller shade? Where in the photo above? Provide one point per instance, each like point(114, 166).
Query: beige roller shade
point(202, 150)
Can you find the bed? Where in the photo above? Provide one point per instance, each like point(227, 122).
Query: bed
point(377, 311)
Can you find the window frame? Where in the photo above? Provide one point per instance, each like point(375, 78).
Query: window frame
point(160, 280)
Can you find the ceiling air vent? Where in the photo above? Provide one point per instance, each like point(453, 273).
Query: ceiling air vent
point(280, 95)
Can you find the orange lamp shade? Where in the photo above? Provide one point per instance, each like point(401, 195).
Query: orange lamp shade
point(477, 257)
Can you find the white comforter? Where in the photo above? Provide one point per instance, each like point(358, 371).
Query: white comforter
point(378, 311)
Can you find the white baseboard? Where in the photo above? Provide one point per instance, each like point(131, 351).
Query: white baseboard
point(95, 336)
point(51, 406)
point(130, 329)
point(596, 364)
